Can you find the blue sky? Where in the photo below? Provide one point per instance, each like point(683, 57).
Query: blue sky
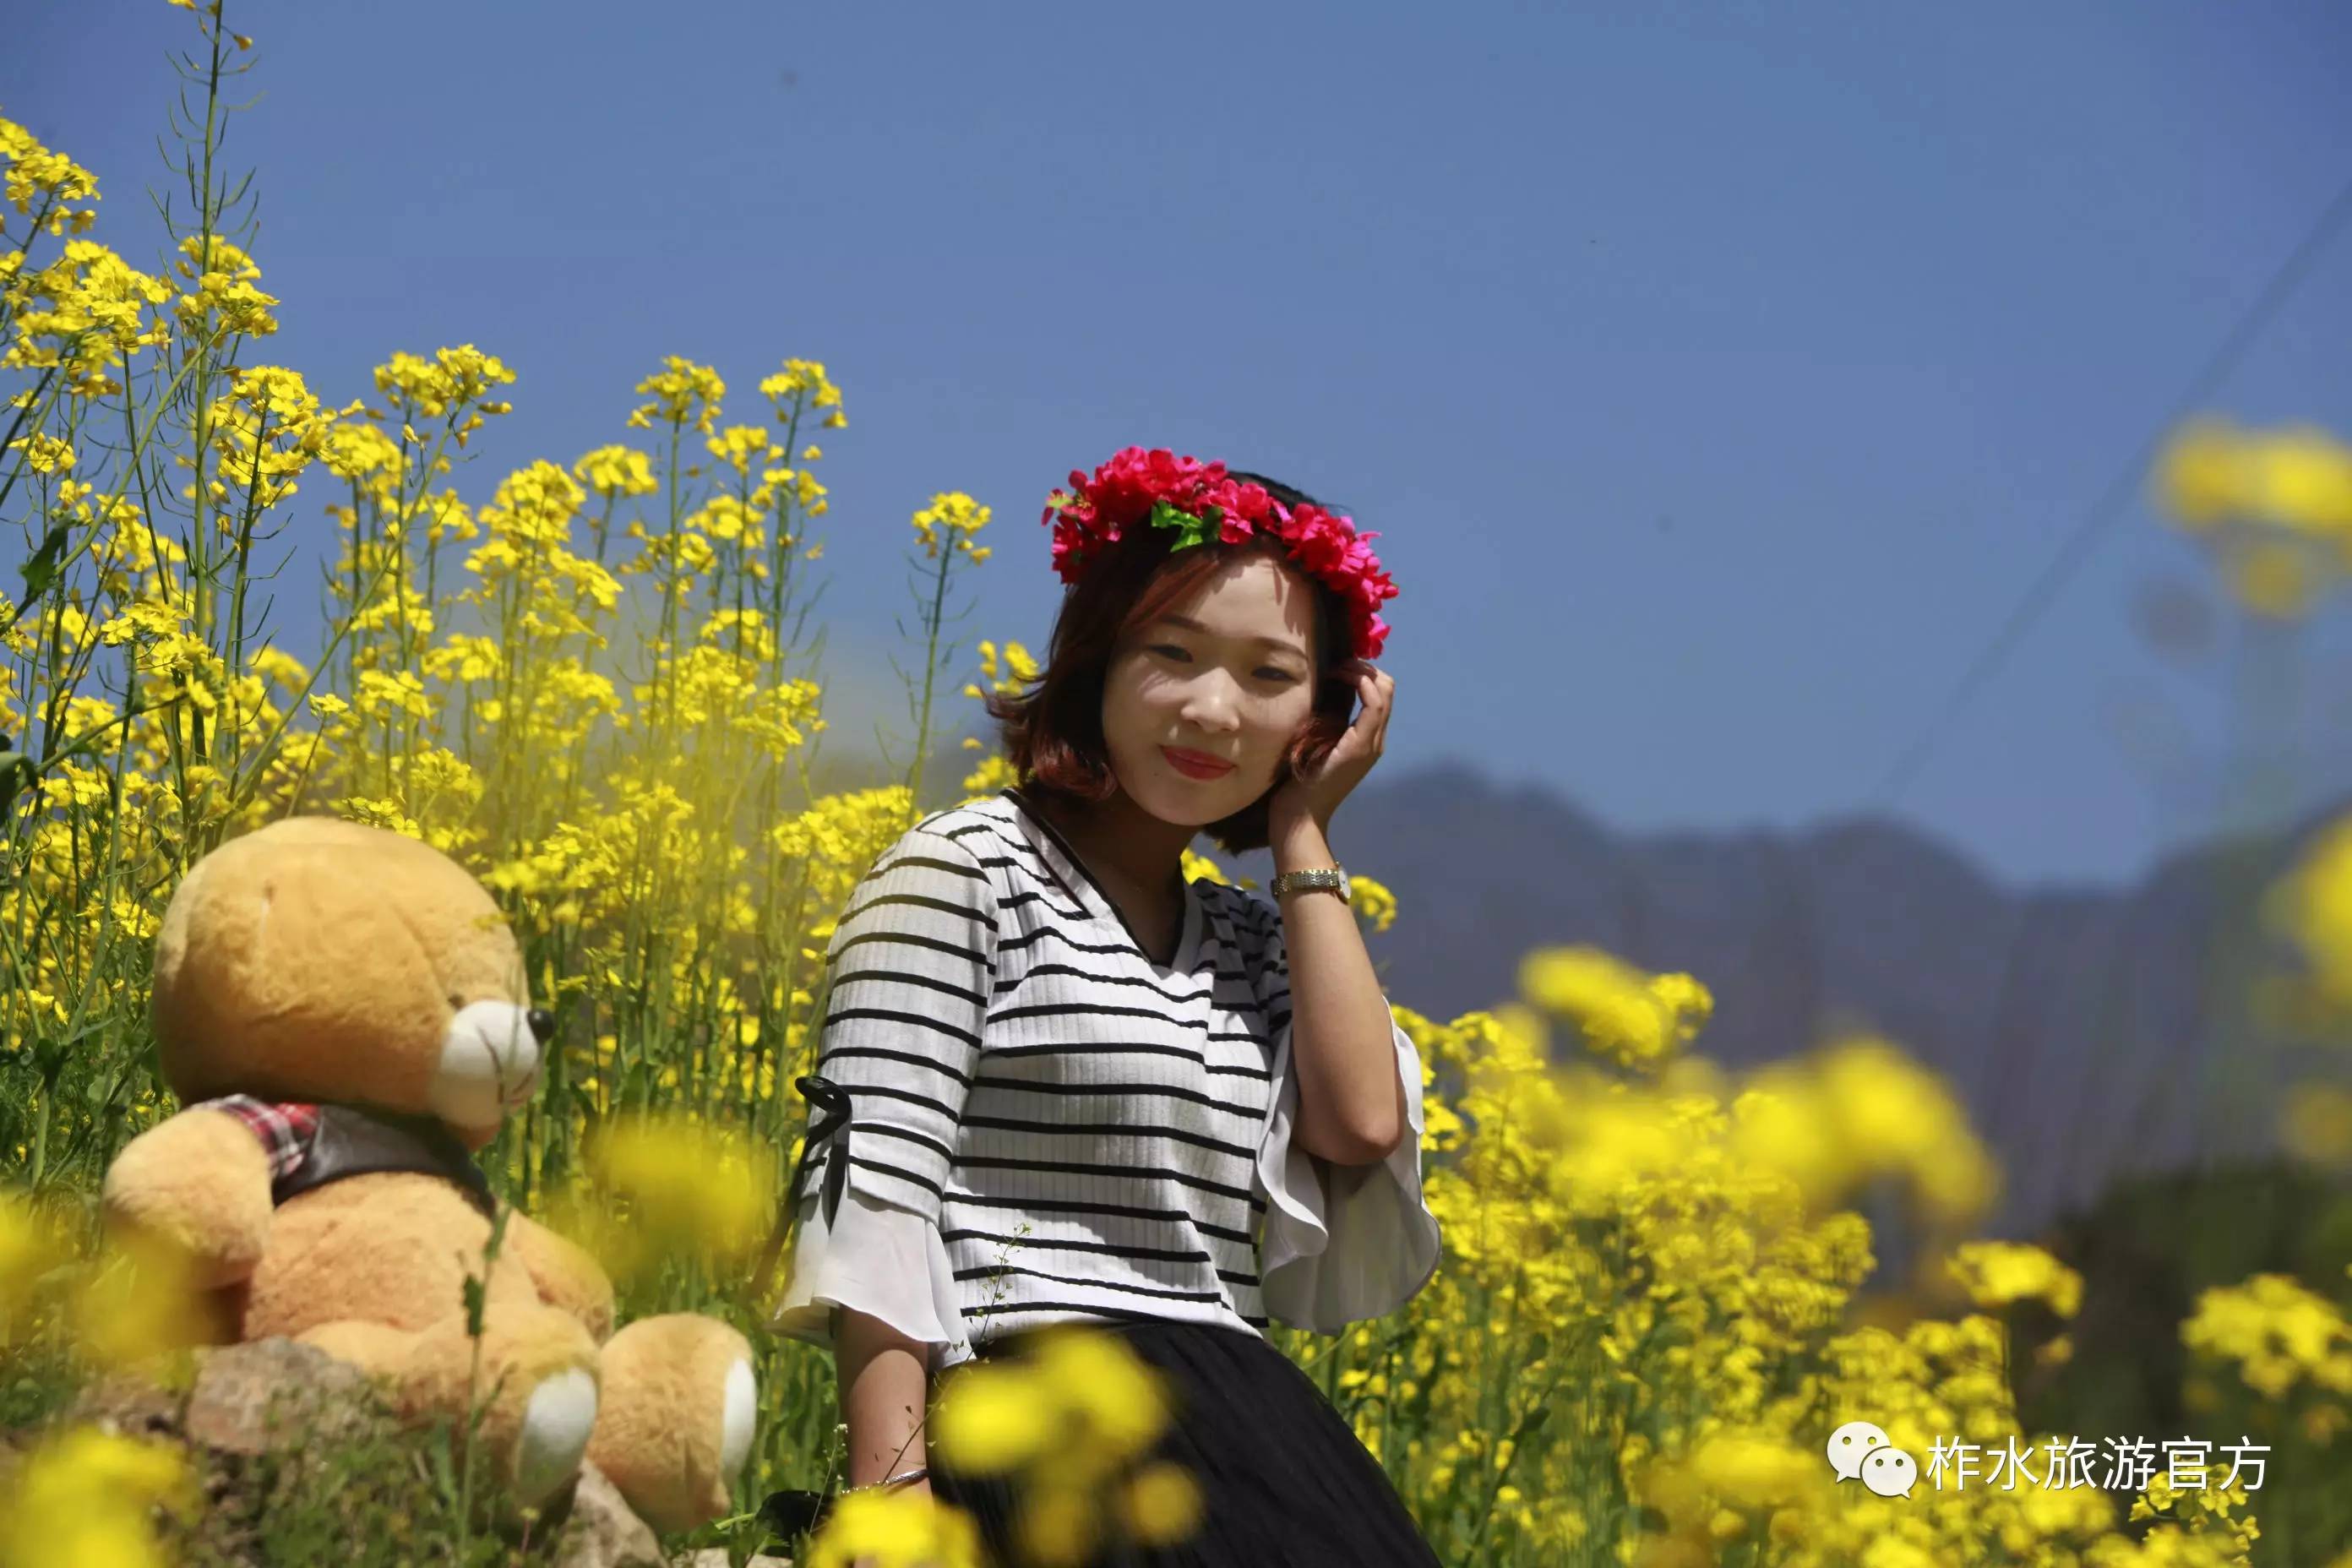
point(1717, 378)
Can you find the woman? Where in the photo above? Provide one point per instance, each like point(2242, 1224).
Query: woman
point(1076, 1091)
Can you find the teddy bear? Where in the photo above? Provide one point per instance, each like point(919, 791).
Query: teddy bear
point(343, 1013)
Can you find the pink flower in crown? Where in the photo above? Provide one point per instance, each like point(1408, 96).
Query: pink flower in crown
point(1131, 489)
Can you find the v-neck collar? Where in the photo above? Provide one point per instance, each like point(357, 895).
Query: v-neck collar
point(1188, 935)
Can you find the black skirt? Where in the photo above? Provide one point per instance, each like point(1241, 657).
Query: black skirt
point(1285, 1483)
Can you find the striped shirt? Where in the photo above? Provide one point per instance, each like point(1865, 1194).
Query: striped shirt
point(1081, 1124)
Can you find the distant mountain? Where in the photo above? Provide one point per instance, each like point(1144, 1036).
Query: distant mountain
point(2073, 1023)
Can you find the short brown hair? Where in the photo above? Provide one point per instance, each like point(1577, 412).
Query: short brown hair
point(1053, 733)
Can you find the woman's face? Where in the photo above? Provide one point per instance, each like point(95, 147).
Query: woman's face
point(1229, 674)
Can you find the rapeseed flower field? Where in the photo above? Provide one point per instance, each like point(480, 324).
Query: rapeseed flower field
point(589, 683)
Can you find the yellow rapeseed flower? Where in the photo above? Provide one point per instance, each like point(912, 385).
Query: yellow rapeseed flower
point(1735, 1469)
point(683, 393)
point(2275, 506)
point(88, 1496)
point(1161, 1505)
point(2199, 474)
point(2312, 905)
point(1633, 1017)
point(2302, 479)
point(1893, 1115)
point(802, 385)
point(1070, 1423)
point(612, 471)
point(1057, 1525)
point(359, 450)
point(141, 1299)
point(1372, 903)
point(2279, 579)
point(960, 516)
point(684, 1186)
point(81, 315)
point(1007, 672)
point(2315, 1125)
point(533, 506)
point(2277, 1331)
point(999, 1418)
point(29, 1247)
point(225, 301)
point(896, 1530)
point(35, 174)
point(742, 446)
point(1996, 1273)
point(45, 454)
point(1116, 1399)
point(417, 389)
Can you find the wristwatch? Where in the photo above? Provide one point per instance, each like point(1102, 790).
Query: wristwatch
point(1332, 877)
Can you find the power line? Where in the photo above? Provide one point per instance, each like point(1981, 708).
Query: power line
point(2086, 533)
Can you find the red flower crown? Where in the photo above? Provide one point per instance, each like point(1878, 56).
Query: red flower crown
point(1200, 502)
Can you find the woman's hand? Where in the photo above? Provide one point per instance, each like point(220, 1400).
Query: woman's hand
point(1319, 795)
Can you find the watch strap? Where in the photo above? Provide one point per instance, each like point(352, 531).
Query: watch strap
point(1334, 878)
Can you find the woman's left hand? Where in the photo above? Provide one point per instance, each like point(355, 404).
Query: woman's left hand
point(1319, 795)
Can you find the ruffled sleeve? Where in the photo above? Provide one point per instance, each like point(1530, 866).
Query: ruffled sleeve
point(878, 1259)
point(1342, 1242)
point(907, 977)
point(905, 994)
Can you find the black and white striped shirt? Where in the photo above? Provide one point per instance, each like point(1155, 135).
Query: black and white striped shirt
point(1081, 1124)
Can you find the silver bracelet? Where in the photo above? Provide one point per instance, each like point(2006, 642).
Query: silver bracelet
point(903, 1478)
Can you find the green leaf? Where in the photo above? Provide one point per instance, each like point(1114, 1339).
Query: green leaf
point(1189, 530)
point(16, 776)
point(41, 569)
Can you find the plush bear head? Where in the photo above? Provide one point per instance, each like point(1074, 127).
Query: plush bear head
point(320, 960)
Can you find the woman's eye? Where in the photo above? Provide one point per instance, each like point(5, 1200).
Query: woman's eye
point(1264, 672)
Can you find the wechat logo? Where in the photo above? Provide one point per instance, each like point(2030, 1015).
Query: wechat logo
point(1858, 1451)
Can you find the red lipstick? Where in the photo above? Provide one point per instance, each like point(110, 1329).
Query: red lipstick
point(1193, 765)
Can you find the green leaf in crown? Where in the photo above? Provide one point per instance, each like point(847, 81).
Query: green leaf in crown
point(1189, 530)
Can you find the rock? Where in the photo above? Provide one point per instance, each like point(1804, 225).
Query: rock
point(130, 1405)
point(277, 1394)
point(716, 1557)
point(600, 1531)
